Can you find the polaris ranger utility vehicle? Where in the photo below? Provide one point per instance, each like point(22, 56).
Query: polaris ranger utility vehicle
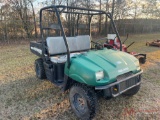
point(72, 64)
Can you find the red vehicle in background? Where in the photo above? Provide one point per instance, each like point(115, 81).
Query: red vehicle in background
point(114, 43)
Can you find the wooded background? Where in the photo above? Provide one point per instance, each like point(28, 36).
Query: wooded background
point(19, 19)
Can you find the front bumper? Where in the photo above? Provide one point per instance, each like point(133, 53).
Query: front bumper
point(122, 85)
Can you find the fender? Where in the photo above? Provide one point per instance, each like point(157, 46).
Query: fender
point(69, 81)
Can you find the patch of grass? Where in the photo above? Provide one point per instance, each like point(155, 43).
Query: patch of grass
point(23, 96)
point(140, 42)
point(152, 75)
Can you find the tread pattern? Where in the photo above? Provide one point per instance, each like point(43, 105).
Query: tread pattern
point(42, 74)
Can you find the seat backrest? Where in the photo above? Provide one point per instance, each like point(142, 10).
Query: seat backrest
point(56, 45)
point(83, 42)
point(111, 36)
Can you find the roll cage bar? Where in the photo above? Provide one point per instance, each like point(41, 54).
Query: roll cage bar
point(89, 12)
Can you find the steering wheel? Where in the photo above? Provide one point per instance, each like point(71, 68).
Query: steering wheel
point(97, 45)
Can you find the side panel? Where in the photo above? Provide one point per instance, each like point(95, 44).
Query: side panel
point(50, 71)
point(54, 72)
point(36, 48)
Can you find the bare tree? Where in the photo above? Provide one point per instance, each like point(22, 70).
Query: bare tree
point(106, 21)
point(151, 9)
point(100, 17)
point(21, 7)
point(34, 18)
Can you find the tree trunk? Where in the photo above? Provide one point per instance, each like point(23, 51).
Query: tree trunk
point(34, 17)
point(5, 30)
point(106, 21)
point(110, 26)
point(100, 17)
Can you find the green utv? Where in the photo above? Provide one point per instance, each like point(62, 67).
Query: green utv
point(73, 64)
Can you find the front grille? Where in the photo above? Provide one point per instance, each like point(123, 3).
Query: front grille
point(128, 83)
point(123, 76)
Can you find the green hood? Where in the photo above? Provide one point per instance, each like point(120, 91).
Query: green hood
point(113, 63)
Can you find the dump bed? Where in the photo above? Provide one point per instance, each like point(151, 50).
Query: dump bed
point(36, 48)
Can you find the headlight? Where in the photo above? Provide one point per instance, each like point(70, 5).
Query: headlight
point(138, 68)
point(136, 63)
point(99, 75)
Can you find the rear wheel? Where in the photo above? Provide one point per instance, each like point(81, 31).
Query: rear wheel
point(39, 68)
point(132, 91)
point(83, 101)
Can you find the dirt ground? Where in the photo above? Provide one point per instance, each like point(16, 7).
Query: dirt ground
point(24, 97)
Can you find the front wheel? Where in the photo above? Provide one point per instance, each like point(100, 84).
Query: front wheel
point(83, 101)
point(132, 91)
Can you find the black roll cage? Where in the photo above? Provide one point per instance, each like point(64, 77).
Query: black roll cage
point(90, 12)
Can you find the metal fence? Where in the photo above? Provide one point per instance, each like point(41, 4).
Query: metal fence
point(138, 26)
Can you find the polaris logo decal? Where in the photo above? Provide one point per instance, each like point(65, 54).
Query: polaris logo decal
point(122, 70)
point(119, 62)
point(37, 50)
